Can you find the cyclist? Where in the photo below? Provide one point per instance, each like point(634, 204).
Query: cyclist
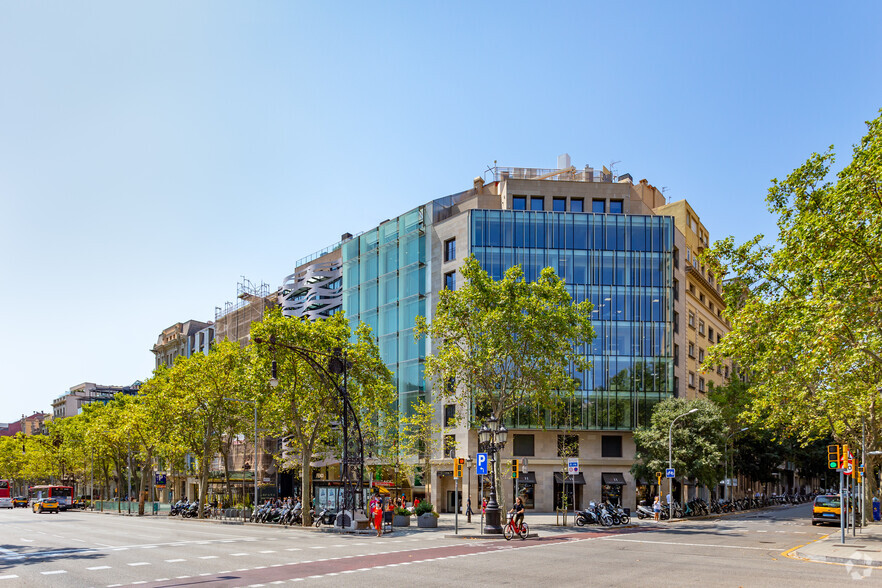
point(518, 511)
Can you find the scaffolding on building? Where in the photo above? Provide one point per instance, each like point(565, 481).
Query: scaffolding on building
point(233, 321)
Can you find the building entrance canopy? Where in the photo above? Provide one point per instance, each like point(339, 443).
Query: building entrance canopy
point(614, 479)
point(577, 479)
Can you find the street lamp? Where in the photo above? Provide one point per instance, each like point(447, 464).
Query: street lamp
point(670, 463)
point(727, 486)
point(254, 402)
point(492, 436)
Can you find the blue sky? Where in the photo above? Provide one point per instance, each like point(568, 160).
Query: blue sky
point(152, 153)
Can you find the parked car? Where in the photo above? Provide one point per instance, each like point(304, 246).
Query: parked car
point(20, 501)
point(6, 502)
point(46, 505)
point(826, 509)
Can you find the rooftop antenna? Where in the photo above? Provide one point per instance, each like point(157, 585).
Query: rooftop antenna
point(612, 167)
point(488, 170)
point(663, 189)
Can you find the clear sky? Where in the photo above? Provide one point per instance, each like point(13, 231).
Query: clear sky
point(152, 153)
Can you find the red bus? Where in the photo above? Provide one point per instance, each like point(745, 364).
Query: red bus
point(63, 494)
point(5, 499)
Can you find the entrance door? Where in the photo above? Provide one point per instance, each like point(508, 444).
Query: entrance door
point(451, 501)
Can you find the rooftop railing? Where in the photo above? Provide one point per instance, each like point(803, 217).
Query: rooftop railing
point(531, 173)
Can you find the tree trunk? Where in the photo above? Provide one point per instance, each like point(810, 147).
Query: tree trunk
point(146, 471)
point(306, 487)
point(204, 464)
point(228, 488)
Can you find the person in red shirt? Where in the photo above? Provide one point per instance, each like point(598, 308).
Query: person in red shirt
point(378, 517)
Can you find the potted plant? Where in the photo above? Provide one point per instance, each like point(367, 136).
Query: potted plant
point(427, 518)
point(401, 517)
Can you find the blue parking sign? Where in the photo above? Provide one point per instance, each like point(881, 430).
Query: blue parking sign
point(669, 473)
point(481, 463)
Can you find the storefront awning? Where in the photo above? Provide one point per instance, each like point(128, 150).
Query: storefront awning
point(445, 473)
point(526, 477)
point(613, 480)
point(577, 479)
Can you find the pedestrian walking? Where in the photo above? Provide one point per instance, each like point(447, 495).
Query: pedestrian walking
point(656, 509)
point(469, 509)
point(378, 518)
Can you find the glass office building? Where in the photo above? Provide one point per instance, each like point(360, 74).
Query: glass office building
point(623, 265)
point(385, 286)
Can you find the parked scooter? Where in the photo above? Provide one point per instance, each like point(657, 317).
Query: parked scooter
point(644, 512)
point(326, 517)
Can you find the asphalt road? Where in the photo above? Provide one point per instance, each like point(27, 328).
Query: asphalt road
point(86, 549)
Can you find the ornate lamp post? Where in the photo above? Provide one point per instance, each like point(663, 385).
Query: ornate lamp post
point(492, 437)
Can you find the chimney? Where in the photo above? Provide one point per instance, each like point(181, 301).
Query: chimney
point(563, 161)
point(479, 185)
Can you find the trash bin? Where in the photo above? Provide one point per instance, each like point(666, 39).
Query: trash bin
point(876, 514)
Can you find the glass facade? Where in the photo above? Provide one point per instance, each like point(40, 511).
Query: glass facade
point(385, 286)
point(623, 265)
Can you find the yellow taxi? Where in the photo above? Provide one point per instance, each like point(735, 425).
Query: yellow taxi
point(20, 501)
point(826, 509)
point(45, 505)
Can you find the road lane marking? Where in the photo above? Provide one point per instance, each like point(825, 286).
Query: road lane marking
point(54, 572)
point(267, 551)
point(27, 540)
point(140, 563)
point(8, 577)
point(208, 557)
point(688, 544)
point(238, 554)
point(298, 549)
point(174, 560)
point(98, 568)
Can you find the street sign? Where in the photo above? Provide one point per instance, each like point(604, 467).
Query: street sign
point(481, 464)
point(669, 473)
point(573, 467)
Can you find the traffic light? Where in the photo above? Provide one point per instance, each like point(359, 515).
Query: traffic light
point(514, 468)
point(843, 457)
point(457, 466)
point(832, 456)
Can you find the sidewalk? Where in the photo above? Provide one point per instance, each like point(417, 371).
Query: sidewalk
point(865, 548)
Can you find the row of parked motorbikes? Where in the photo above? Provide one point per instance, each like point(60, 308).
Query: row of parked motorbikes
point(287, 514)
point(605, 514)
point(185, 509)
point(699, 507)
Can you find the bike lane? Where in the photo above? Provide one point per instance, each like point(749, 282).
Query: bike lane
point(356, 564)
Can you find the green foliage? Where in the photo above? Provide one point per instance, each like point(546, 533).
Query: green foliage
point(506, 343)
point(306, 401)
point(804, 311)
point(423, 508)
point(697, 441)
point(403, 512)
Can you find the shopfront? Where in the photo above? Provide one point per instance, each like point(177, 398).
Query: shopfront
point(526, 489)
point(569, 488)
point(611, 488)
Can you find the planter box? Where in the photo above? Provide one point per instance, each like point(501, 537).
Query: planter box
point(400, 521)
point(427, 521)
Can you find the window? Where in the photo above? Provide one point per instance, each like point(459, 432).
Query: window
point(688, 255)
point(519, 203)
point(610, 446)
point(700, 355)
point(449, 249)
point(676, 387)
point(449, 415)
point(725, 371)
point(450, 281)
point(718, 337)
point(691, 349)
point(701, 384)
point(676, 288)
point(701, 327)
point(615, 207)
point(598, 206)
point(719, 370)
point(577, 205)
point(701, 296)
point(711, 306)
point(676, 322)
point(567, 445)
point(676, 258)
point(559, 205)
point(676, 354)
point(710, 334)
point(449, 445)
point(692, 288)
point(537, 203)
point(524, 445)
point(691, 319)
point(691, 380)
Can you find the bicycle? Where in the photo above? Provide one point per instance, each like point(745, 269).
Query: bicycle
point(511, 529)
